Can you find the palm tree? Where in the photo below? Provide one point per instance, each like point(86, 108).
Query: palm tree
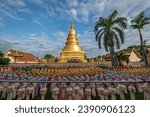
point(121, 57)
point(110, 31)
point(145, 47)
point(138, 23)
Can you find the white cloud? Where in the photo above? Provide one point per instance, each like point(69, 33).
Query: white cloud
point(25, 10)
point(1, 21)
point(50, 10)
point(37, 22)
point(32, 43)
point(73, 12)
point(37, 2)
point(16, 3)
point(84, 10)
point(7, 11)
point(11, 15)
point(60, 35)
point(73, 3)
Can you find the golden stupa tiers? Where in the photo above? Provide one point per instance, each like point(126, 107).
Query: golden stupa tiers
point(72, 52)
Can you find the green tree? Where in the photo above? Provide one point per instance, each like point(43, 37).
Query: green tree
point(48, 57)
point(138, 23)
point(1, 54)
point(121, 57)
point(56, 60)
point(85, 56)
point(4, 61)
point(110, 31)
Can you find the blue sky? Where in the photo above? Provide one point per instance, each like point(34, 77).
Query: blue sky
point(41, 26)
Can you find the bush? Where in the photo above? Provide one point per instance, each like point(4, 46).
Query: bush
point(1, 54)
point(4, 61)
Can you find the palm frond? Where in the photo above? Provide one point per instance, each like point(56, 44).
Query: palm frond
point(117, 42)
point(120, 33)
point(134, 26)
point(100, 38)
point(113, 15)
point(106, 41)
point(121, 21)
point(140, 21)
point(98, 33)
point(145, 23)
point(100, 23)
point(106, 45)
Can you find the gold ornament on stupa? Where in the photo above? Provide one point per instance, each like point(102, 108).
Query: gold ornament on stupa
point(72, 51)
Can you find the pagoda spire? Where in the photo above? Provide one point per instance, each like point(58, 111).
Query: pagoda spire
point(72, 29)
point(72, 25)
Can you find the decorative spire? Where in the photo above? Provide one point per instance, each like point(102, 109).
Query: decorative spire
point(72, 22)
point(72, 30)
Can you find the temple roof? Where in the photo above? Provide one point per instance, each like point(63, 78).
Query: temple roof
point(126, 52)
point(14, 52)
point(21, 56)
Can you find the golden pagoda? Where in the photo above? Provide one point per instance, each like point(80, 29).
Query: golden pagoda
point(72, 52)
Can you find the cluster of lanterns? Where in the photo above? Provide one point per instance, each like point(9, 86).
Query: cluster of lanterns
point(76, 82)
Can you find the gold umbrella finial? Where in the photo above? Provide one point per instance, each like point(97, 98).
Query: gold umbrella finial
point(72, 22)
point(72, 30)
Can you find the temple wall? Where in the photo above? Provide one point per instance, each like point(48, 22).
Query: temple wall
point(134, 58)
point(12, 59)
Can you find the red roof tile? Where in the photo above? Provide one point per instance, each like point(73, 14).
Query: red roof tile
point(23, 57)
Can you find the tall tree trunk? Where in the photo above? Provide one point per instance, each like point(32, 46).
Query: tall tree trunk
point(112, 54)
point(143, 49)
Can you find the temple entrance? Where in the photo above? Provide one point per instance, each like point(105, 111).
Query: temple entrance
point(74, 60)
